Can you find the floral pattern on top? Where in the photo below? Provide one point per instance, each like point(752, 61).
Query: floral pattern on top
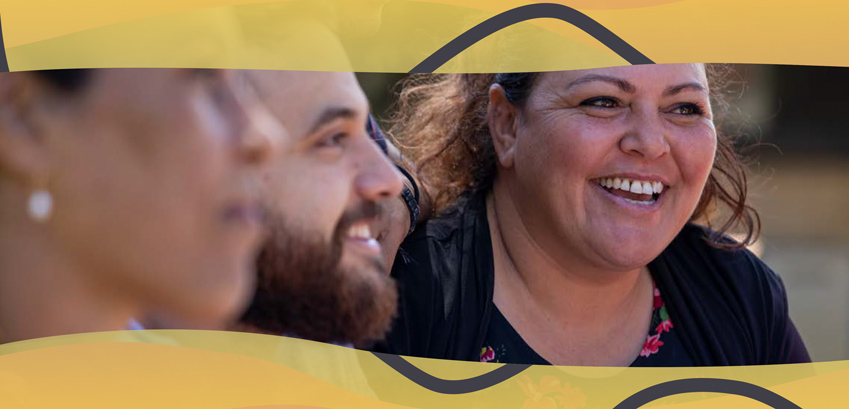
point(660, 323)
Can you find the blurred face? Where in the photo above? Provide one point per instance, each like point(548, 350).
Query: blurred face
point(155, 174)
point(610, 163)
point(321, 274)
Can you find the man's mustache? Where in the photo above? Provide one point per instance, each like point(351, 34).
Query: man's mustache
point(360, 212)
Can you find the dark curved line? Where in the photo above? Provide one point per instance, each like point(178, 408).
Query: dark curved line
point(635, 401)
point(446, 386)
point(4, 65)
point(726, 386)
point(530, 12)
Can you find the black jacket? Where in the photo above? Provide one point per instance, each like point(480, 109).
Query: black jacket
point(729, 308)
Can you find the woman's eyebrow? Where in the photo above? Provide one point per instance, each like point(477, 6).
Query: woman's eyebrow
point(695, 86)
point(625, 86)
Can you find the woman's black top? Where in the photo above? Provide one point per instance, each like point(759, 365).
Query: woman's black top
point(662, 347)
point(725, 307)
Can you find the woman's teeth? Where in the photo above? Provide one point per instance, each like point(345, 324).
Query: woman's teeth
point(640, 187)
point(643, 192)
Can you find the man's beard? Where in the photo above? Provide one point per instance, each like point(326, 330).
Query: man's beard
point(304, 291)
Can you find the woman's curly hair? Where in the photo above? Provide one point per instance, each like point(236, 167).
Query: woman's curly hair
point(440, 122)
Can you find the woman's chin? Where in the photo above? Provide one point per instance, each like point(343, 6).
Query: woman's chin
point(216, 306)
point(626, 255)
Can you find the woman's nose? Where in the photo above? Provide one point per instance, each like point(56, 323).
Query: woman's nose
point(646, 136)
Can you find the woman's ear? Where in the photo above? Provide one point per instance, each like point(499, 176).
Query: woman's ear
point(23, 156)
point(502, 117)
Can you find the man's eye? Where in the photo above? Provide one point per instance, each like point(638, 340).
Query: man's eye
point(333, 140)
point(601, 102)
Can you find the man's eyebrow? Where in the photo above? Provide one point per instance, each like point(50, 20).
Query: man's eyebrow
point(331, 114)
point(622, 84)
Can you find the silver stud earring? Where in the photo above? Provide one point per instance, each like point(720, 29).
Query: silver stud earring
point(40, 204)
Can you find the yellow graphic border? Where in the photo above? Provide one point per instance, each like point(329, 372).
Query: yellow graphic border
point(201, 369)
point(209, 369)
point(396, 35)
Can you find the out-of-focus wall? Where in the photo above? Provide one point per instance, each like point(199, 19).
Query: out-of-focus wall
point(801, 188)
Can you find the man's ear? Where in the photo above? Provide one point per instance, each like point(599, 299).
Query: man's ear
point(23, 154)
point(502, 117)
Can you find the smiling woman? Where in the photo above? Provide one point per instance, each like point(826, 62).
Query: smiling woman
point(124, 191)
point(567, 234)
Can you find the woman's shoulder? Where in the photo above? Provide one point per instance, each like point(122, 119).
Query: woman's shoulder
point(439, 251)
point(444, 226)
point(435, 295)
point(732, 294)
point(702, 249)
point(735, 279)
point(446, 234)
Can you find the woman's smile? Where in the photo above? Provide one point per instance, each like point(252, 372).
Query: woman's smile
point(633, 192)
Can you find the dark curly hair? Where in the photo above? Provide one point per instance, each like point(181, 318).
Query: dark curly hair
point(440, 122)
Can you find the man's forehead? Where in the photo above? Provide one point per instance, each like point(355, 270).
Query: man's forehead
point(322, 85)
point(300, 98)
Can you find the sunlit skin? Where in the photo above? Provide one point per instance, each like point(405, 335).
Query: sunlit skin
point(155, 175)
point(569, 252)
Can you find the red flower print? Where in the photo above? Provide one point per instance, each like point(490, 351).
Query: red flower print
point(653, 342)
point(487, 354)
point(657, 300)
point(664, 326)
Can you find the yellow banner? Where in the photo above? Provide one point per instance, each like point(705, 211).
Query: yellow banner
point(397, 35)
point(207, 369)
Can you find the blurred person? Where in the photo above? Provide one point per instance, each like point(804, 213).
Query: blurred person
point(322, 275)
point(566, 232)
point(124, 191)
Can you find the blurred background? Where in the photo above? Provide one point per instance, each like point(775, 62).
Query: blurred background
point(798, 118)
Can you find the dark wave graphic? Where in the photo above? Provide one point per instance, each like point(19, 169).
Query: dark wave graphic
point(637, 400)
point(4, 65)
point(713, 385)
point(531, 12)
point(446, 386)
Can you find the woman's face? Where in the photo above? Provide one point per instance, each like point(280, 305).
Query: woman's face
point(155, 177)
point(585, 138)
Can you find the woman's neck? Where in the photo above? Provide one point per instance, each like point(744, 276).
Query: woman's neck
point(43, 294)
point(576, 293)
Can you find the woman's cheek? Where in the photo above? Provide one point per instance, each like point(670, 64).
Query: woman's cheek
point(697, 149)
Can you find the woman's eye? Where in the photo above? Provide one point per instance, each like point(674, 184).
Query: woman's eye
point(601, 102)
point(688, 109)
